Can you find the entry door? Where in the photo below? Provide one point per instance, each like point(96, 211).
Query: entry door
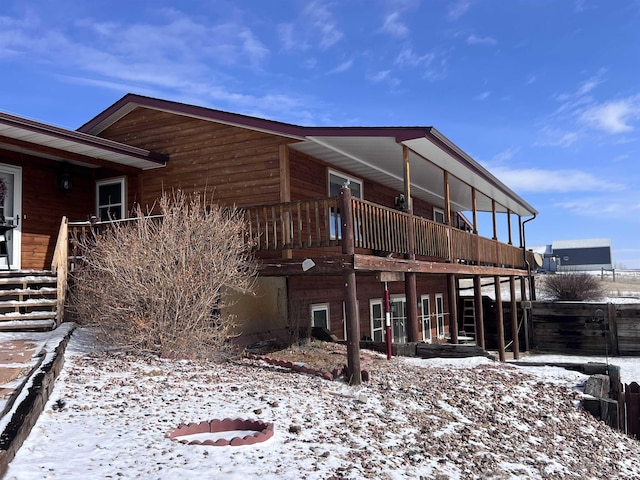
point(10, 210)
point(399, 320)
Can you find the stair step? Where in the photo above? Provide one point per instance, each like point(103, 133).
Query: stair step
point(29, 292)
point(25, 317)
point(27, 280)
point(31, 302)
point(44, 324)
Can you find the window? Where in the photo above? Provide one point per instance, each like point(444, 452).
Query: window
point(438, 215)
point(320, 315)
point(426, 318)
point(336, 182)
point(110, 199)
point(440, 315)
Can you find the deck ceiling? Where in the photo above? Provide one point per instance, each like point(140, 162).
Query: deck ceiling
point(380, 159)
point(54, 143)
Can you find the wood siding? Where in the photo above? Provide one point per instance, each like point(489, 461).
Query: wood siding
point(309, 180)
point(235, 165)
point(43, 205)
point(305, 291)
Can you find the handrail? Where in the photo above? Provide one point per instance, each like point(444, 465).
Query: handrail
point(59, 266)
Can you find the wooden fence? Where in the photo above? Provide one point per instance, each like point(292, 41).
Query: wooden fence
point(586, 328)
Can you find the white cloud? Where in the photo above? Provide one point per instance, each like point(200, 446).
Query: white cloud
point(322, 21)
point(433, 64)
point(394, 26)
point(483, 96)
point(556, 138)
point(384, 76)
point(544, 180)
point(613, 117)
point(343, 67)
point(458, 9)
point(531, 80)
point(475, 40)
point(504, 156)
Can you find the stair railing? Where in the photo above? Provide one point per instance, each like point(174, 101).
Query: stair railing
point(59, 266)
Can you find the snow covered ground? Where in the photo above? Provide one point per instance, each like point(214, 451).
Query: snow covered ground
point(437, 419)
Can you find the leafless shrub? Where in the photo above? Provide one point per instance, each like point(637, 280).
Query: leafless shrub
point(158, 284)
point(573, 286)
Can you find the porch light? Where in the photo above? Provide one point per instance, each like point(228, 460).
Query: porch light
point(64, 181)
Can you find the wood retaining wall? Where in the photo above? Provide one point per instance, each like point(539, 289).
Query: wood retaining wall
point(586, 328)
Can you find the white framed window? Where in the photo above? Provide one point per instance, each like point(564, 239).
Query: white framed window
point(439, 315)
point(111, 196)
point(377, 320)
point(438, 215)
point(425, 302)
point(336, 181)
point(320, 315)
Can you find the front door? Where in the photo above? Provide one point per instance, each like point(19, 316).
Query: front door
point(10, 210)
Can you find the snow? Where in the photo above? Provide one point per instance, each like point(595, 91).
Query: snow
point(440, 418)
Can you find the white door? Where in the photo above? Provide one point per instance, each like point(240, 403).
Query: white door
point(399, 320)
point(10, 211)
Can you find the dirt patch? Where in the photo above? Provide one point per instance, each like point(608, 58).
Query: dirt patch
point(322, 356)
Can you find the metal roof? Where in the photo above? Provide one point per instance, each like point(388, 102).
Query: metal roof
point(55, 143)
point(374, 153)
point(584, 243)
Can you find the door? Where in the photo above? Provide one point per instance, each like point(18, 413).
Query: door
point(377, 321)
point(399, 320)
point(426, 318)
point(10, 210)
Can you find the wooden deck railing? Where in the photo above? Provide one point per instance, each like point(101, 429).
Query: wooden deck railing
point(316, 224)
point(293, 225)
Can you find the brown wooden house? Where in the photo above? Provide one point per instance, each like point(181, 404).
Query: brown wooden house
point(337, 212)
point(325, 251)
point(46, 173)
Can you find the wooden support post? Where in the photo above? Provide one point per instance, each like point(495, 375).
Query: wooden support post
point(525, 312)
point(509, 226)
point(474, 207)
point(495, 220)
point(478, 310)
point(515, 346)
point(413, 330)
point(520, 231)
point(447, 199)
point(350, 292)
point(453, 308)
point(285, 196)
point(499, 318)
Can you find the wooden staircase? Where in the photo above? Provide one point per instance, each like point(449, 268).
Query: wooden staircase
point(28, 300)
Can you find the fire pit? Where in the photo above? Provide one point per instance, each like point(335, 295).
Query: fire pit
point(229, 431)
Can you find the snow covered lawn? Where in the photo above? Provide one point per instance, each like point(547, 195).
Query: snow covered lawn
point(461, 419)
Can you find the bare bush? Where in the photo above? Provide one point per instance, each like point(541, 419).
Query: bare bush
point(159, 284)
point(573, 286)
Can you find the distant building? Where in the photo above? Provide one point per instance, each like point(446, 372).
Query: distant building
point(575, 255)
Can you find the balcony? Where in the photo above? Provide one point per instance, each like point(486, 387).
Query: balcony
point(376, 230)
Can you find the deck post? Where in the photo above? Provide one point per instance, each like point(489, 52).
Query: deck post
point(478, 310)
point(453, 308)
point(515, 346)
point(499, 318)
point(350, 292)
point(525, 313)
point(410, 282)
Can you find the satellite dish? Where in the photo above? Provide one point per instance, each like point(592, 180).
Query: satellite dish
point(538, 259)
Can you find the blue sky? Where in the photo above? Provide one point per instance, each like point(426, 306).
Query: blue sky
point(544, 93)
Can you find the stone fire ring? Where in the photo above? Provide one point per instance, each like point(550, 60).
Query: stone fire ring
point(263, 432)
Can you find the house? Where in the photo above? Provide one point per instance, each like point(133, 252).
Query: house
point(46, 173)
point(338, 213)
